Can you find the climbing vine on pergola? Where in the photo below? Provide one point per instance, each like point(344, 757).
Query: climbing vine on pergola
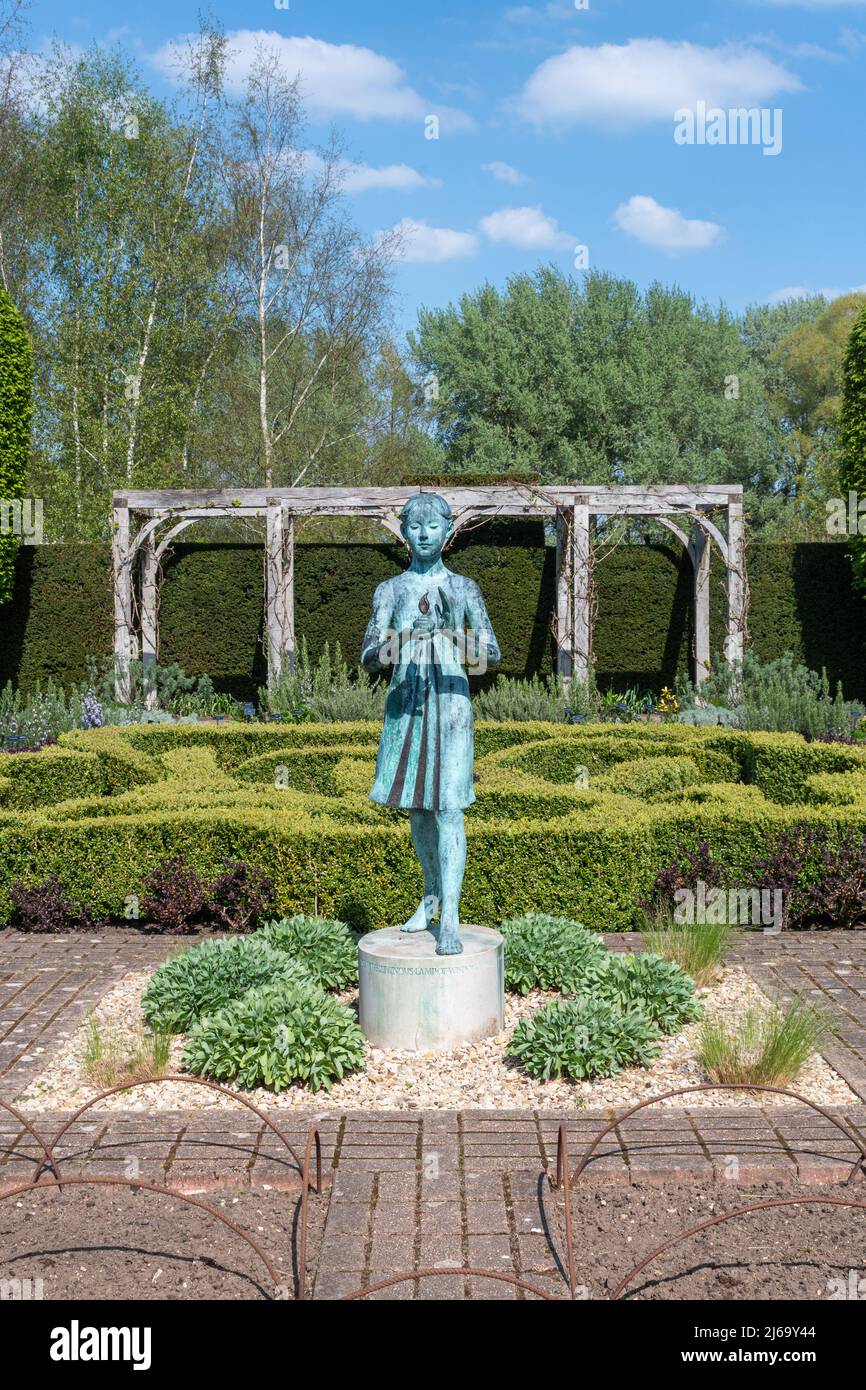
point(146, 523)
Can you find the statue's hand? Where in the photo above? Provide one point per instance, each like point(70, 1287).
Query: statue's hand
point(424, 626)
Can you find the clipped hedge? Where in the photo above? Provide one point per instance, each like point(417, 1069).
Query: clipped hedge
point(801, 599)
point(537, 841)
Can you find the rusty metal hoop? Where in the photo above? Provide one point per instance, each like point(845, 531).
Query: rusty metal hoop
point(729, 1216)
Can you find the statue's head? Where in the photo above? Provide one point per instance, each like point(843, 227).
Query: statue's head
point(426, 523)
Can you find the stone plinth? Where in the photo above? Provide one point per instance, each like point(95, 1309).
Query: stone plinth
point(416, 1001)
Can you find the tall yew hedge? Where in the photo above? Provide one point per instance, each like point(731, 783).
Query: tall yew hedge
point(854, 439)
point(16, 413)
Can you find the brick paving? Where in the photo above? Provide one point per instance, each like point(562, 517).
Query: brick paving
point(411, 1190)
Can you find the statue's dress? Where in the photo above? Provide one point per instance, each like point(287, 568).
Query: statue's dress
point(425, 751)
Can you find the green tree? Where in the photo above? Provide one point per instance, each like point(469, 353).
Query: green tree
point(310, 292)
point(595, 383)
point(853, 435)
point(16, 411)
point(806, 395)
point(130, 299)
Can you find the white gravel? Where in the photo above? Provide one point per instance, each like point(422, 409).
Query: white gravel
point(474, 1076)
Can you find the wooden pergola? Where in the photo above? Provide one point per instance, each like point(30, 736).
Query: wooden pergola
point(146, 523)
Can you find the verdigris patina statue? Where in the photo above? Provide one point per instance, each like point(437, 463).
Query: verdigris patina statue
point(429, 625)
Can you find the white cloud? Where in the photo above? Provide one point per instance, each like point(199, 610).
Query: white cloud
point(337, 79)
point(800, 292)
point(360, 178)
point(647, 80)
point(504, 173)
point(665, 228)
point(418, 241)
point(528, 228)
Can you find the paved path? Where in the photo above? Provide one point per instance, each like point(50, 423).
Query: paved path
point(410, 1190)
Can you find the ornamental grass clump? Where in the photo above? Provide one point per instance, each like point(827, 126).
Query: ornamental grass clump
point(584, 1038)
point(326, 948)
point(543, 952)
point(767, 1046)
point(698, 948)
point(288, 1033)
point(211, 975)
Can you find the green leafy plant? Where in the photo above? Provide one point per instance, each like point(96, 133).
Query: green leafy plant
point(210, 975)
point(780, 696)
point(326, 948)
point(546, 700)
point(658, 987)
point(583, 1038)
point(765, 1047)
point(326, 691)
point(276, 1036)
point(543, 952)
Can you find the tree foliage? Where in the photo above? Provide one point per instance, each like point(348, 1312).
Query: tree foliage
point(853, 434)
point(16, 411)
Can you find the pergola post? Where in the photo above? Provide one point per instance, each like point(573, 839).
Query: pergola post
point(736, 634)
point(700, 552)
point(149, 619)
point(124, 633)
point(564, 562)
point(279, 589)
point(581, 579)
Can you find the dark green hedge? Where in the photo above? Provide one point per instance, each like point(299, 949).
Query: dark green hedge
point(211, 611)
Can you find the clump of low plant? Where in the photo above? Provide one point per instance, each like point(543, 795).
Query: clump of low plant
point(241, 897)
point(279, 1035)
point(46, 907)
point(767, 1046)
point(326, 948)
point(206, 977)
point(544, 952)
point(659, 988)
point(175, 896)
point(115, 1058)
point(685, 872)
point(698, 948)
point(781, 695)
point(583, 1038)
point(545, 699)
point(177, 899)
point(822, 882)
point(325, 691)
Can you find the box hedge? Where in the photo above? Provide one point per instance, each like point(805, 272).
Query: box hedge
point(123, 799)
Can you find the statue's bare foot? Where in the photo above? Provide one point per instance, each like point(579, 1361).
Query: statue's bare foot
point(449, 943)
point(418, 921)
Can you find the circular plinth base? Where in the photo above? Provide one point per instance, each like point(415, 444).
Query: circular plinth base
point(415, 1001)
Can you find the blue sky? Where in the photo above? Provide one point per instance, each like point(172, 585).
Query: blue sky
point(556, 130)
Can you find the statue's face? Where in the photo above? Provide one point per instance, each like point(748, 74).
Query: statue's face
point(426, 532)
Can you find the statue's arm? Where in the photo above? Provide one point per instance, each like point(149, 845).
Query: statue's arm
point(378, 631)
point(479, 624)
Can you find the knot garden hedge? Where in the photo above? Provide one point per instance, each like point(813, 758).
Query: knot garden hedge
point(573, 820)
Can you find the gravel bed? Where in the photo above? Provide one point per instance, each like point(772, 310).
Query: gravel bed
point(474, 1076)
